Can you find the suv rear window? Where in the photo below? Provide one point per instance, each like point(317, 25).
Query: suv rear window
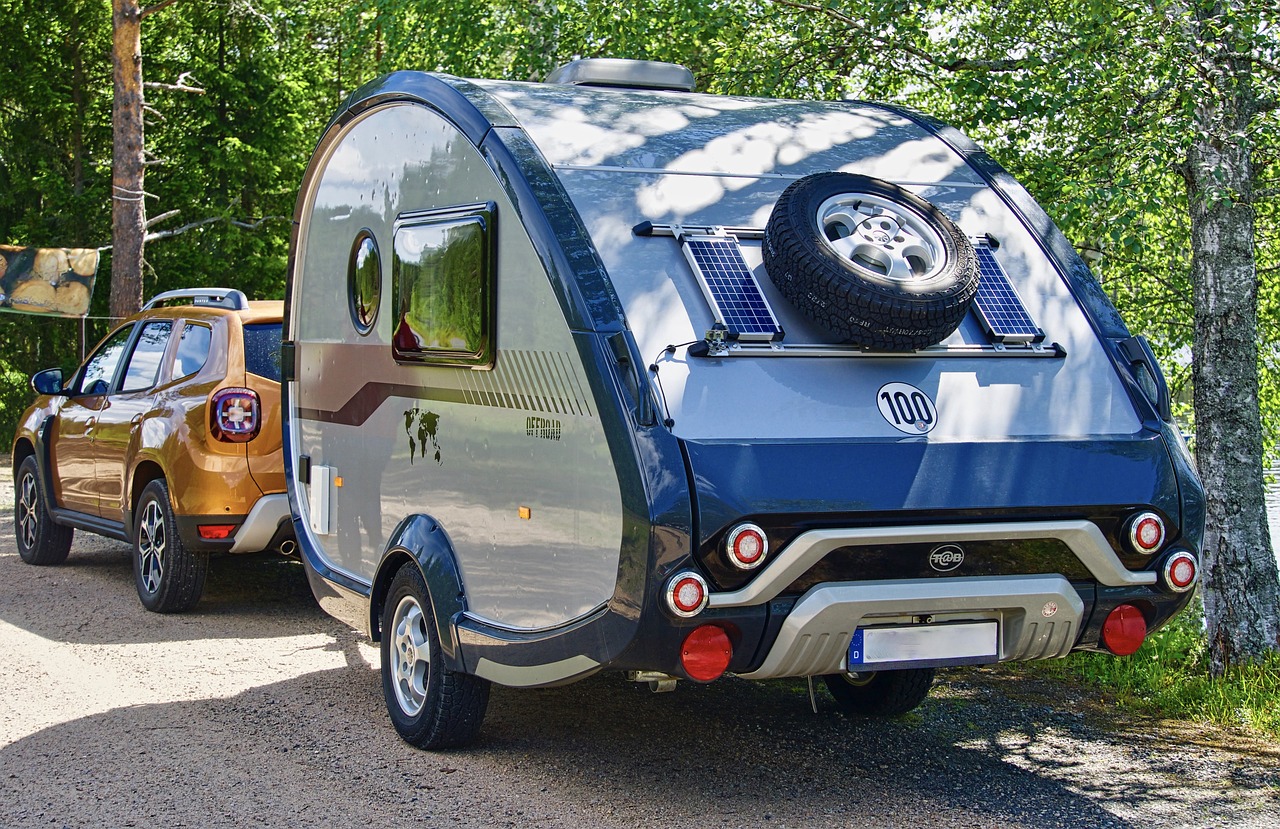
point(262, 349)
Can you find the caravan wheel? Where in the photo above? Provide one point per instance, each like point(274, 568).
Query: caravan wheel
point(430, 705)
point(880, 693)
point(870, 262)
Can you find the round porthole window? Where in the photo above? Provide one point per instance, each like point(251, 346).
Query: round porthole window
point(364, 281)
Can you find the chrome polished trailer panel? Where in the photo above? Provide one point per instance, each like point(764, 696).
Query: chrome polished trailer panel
point(455, 443)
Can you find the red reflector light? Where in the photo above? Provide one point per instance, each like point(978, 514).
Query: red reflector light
point(746, 546)
point(1180, 571)
point(686, 594)
point(1124, 630)
point(1146, 532)
point(235, 415)
point(706, 653)
point(214, 531)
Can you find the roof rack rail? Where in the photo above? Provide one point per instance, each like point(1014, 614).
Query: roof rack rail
point(228, 298)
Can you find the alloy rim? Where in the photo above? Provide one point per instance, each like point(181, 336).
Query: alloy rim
point(859, 679)
point(28, 503)
point(881, 238)
point(411, 656)
point(152, 544)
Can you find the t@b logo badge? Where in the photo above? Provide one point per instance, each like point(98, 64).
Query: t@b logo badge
point(946, 558)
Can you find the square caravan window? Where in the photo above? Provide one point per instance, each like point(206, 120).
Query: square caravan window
point(442, 272)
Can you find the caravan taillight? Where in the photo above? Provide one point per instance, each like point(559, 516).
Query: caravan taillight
point(687, 594)
point(235, 415)
point(745, 546)
point(1179, 572)
point(1146, 533)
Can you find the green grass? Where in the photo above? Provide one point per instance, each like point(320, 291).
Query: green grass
point(1169, 677)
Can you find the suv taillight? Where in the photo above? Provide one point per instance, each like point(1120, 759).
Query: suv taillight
point(235, 416)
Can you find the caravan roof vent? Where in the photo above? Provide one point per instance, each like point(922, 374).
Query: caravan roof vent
point(624, 74)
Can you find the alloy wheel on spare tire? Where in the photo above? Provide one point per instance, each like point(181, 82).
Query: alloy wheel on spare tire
point(870, 262)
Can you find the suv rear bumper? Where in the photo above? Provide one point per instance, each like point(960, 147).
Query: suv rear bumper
point(261, 524)
point(1039, 618)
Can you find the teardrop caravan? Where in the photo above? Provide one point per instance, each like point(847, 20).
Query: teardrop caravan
point(602, 374)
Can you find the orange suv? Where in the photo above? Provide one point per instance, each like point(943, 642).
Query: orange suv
point(168, 437)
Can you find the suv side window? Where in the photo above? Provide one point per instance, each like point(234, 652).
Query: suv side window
point(98, 371)
point(262, 349)
point(193, 350)
point(143, 368)
point(442, 275)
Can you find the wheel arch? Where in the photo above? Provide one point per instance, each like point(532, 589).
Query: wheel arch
point(421, 541)
point(22, 449)
point(143, 473)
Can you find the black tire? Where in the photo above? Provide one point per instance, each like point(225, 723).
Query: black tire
point(40, 541)
point(880, 693)
point(431, 706)
point(169, 577)
point(871, 263)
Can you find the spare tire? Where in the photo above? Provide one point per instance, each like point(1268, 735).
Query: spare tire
point(873, 264)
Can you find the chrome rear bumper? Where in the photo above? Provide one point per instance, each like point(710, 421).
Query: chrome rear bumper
point(1039, 617)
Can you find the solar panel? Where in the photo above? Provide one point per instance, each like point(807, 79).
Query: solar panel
point(1003, 316)
point(730, 288)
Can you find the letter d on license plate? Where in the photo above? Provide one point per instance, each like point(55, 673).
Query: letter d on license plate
point(925, 646)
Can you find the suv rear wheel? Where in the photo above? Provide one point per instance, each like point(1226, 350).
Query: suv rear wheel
point(40, 541)
point(169, 577)
point(880, 693)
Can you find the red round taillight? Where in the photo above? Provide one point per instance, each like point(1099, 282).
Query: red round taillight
point(1180, 571)
point(706, 652)
point(1124, 630)
point(687, 594)
point(235, 415)
point(746, 546)
point(1146, 533)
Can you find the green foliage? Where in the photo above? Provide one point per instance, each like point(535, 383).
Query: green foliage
point(1169, 677)
point(15, 394)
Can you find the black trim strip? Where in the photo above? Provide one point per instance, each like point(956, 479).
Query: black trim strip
point(89, 523)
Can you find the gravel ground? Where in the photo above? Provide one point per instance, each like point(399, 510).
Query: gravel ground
point(257, 709)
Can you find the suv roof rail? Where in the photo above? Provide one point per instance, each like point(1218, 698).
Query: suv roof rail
point(228, 298)
point(621, 73)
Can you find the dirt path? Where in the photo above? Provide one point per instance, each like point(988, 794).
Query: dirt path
point(257, 709)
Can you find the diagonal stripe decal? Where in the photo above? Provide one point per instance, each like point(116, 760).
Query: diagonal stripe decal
point(531, 381)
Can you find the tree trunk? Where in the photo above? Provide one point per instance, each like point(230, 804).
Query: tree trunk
point(128, 213)
point(1241, 589)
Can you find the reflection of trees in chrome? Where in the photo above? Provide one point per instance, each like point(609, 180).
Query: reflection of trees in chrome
point(422, 426)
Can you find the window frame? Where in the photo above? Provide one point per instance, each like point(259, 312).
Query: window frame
point(137, 339)
point(353, 282)
point(173, 364)
point(481, 358)
point(78, 390)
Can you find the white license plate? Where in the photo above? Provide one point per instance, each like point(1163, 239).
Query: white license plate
point(921, 646)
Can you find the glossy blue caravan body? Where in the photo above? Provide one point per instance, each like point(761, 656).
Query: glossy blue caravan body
point(533, 431)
